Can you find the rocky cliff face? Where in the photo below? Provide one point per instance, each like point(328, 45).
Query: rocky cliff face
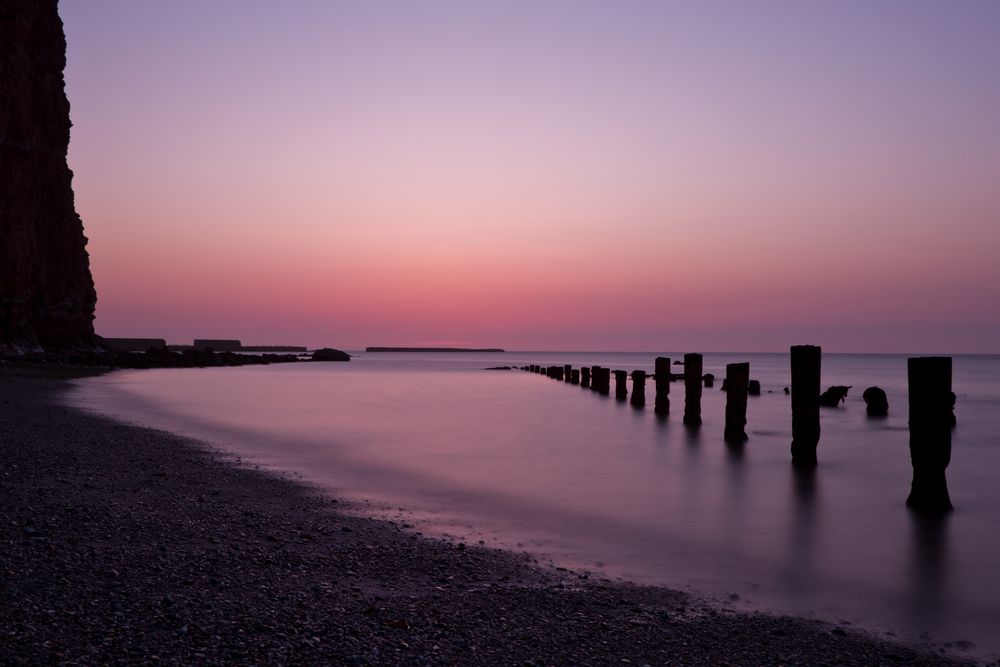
point(46, 292)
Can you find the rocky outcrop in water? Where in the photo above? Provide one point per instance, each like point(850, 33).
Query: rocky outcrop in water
point(46, 292)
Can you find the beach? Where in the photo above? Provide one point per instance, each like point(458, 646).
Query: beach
point(122, 544)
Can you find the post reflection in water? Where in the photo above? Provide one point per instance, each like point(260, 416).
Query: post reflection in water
point(737, 523)
point(928, 599)
point(805, 514)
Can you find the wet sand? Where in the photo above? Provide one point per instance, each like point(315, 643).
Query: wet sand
point(120, 544)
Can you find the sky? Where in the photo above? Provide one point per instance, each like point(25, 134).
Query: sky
point(699, 176)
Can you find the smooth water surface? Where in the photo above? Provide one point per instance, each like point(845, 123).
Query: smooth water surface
point(522, 461)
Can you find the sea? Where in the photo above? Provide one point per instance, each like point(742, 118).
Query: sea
point(516, 460)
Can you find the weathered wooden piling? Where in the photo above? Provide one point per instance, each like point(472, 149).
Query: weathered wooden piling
point(806, 361)
point(567, 372)
point(737, 379)
point(638, 399)
point(603, 380)
point(585, 377)
point(595, 378)
point(574, 377)
point(692, 389)
point(662, 405)
point(709, 379)
point(931, 403)
point(557, 373)
point(753, 388)
point(621, 388)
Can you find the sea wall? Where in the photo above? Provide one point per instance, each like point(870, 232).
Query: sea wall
point(47, 294)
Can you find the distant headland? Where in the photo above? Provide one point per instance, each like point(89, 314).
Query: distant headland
point(433, 349)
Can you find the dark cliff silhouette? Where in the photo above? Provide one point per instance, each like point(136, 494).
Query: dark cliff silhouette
point(47, 294)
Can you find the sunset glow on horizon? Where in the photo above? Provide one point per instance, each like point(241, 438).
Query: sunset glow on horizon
point(541, 176)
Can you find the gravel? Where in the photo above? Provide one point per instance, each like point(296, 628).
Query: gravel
point(125, 545)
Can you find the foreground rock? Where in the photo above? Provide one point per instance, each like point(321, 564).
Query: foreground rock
point(124, 545)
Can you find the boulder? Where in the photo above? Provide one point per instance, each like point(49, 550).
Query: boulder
point(330, 354)
point(876, 402)
point(833, 396)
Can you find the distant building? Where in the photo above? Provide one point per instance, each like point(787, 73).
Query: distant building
point(218, 345)
point(132, 344)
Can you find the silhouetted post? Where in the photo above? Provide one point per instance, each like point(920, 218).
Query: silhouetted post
point(692, 389)
point(638, 389)
point(567, 371)
point(806, 361)
point(595, 378)
point(621, 389)
point(662, 405)
point(737, 379)
point(557, 373)
point(574, 377)
point(754, 388)
point(604, 386)
point(930, 432)
point(585, 377)
point(709, 380)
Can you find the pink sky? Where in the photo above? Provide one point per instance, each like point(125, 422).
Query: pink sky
point(541, 175)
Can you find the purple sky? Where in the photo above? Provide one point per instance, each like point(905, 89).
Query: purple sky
point(542, 175)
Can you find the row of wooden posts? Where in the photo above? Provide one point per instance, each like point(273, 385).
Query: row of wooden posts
point(930, 403)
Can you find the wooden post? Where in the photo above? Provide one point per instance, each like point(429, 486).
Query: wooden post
point(737, 379)
point(692, 389)
point(638, 389)
point(754, 388)
point(662, 405)
point(605, 387)
point(585, 377)
point(930, 432)
point(806, 361)
point(709, 379)
point(621, 389)
point(575, 376)
point(567, 371)
point(595, 378)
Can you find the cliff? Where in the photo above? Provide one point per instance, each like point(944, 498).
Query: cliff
point(46, 291)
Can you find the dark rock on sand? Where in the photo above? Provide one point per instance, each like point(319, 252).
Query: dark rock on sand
point(330, 354)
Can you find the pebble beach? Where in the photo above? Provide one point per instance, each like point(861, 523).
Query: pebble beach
point(125, 545)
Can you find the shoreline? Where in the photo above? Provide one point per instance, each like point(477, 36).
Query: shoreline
point(121, 543)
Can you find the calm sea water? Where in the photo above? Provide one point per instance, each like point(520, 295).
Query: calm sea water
point(522, 461)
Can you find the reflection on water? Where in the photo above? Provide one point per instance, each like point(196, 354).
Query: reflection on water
point(514, 458)
point(803, 527)
point(928, 571)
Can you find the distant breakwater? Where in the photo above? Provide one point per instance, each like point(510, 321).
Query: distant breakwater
point(433, 349)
